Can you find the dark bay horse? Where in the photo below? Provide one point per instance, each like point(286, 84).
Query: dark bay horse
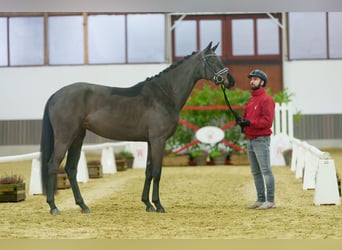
point(146, 112)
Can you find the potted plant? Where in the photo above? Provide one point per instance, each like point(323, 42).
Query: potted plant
point(172, 159)
point(12, 188)
point(128, 156)
point(120, 162)
point(95, 169)
point(218, 155)
point(198, 156)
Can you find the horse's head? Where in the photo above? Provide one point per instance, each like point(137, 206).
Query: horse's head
point(214, 69)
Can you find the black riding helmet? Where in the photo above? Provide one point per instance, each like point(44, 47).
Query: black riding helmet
point(259, 73)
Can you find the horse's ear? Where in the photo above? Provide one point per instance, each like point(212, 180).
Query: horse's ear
point(208, 47)
point(215, 47)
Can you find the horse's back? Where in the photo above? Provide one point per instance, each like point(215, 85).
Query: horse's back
point(79, 88)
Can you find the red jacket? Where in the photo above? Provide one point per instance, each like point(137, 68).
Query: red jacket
point(260, 112)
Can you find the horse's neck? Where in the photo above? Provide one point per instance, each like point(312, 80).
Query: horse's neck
point(181, 80)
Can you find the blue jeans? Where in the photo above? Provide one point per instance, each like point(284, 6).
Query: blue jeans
point(259, 159)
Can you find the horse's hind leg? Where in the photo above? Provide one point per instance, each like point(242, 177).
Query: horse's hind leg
point(53, 164)
point(74, 153)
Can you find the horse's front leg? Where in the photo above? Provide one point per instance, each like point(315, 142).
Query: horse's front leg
point(147, 184)
point(146, 190)
point(155, 193)
point(157, 150)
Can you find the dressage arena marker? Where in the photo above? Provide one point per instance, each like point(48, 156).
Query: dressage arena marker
point(36, 177)
point(326, 184)
point(108, 161)
point(82, 169)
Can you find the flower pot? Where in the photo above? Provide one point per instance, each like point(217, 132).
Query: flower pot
point(178, 160)
point(62, 180)
point(12, 192)
point(129, 162)
point(95, 169)
point(200, 160)
point(220, 159)
point(127, 156)
point(120, 164)
point(239, 159)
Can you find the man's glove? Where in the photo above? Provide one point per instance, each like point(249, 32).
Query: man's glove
point(242, 122)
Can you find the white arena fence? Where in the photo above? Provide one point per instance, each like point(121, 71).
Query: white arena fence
point(317, 171)
point(315, 167)
point(138, 149)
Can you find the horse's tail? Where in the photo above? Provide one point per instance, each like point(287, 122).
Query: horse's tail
point(46, 145)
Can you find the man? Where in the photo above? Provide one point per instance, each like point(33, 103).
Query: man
point(256, 123)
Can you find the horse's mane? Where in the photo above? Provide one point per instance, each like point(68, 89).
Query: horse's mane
point(135, 90)
point(172, 66)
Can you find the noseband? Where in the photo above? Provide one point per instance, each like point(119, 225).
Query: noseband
point(219, 80)
point(219, 75)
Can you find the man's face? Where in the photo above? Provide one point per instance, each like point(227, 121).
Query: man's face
point(255, 82)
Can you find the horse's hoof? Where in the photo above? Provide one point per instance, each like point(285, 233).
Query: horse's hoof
point(150, 209)
point(84, 208)
point(54, 211)
point(85, 211)
point(161, 210)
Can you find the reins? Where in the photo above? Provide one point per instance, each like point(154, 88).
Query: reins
point(228, 103)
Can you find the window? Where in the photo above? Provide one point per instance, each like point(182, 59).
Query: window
point(187, 33)
point(307, 35)
point(315, 35)
point(268, 37)
point(210, 31)
point(26, 36)
point(3, 42)
point(335, 35)
point(145, 38)
point(255, 37)
point(242, 37)
point(106, 39)
point(66, 45)
point(185, 37)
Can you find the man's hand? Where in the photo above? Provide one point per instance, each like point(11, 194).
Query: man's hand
point(242, 122)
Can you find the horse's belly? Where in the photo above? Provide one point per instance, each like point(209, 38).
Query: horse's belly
point(118, 127)
point(135, 123)
point(121, 134)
